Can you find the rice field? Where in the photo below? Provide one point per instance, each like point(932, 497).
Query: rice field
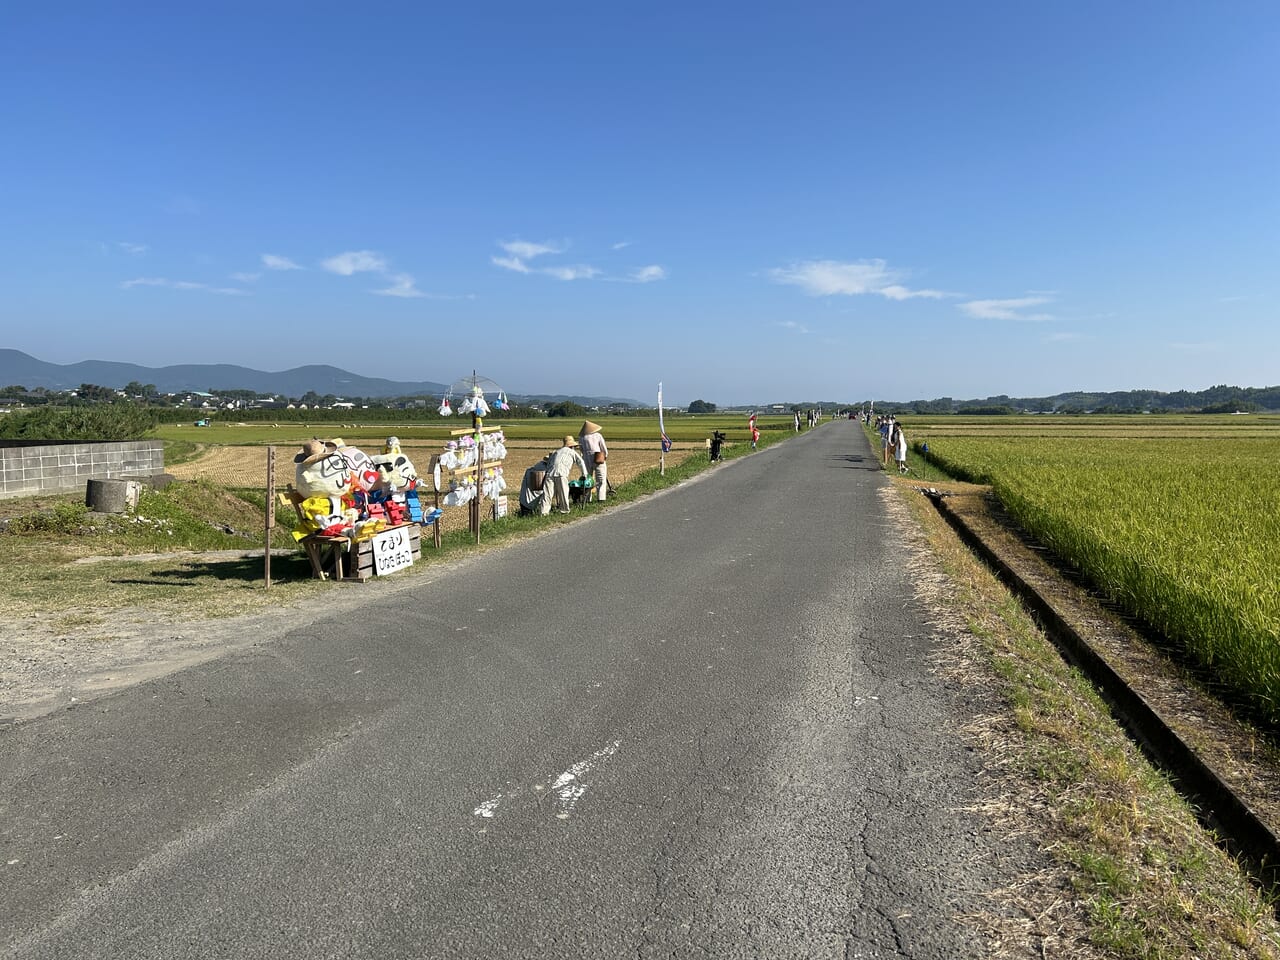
point(1181, 528)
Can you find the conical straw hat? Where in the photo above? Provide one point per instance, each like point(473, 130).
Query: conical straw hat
point(589, 427)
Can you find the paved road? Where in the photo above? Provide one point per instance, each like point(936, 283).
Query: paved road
point(704, 725)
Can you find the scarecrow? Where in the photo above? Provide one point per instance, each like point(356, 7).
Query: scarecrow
point(322, 478)
point(595, 452)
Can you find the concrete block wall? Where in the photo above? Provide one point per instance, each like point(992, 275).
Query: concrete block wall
point(27, 469)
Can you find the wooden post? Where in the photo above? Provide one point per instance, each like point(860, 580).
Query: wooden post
point(479, 498)
point(271, 516)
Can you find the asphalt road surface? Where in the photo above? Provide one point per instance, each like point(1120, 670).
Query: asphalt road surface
point(704, 725)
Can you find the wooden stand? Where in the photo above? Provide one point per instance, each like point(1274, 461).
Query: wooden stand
point(347, 560)
point(358, 561)
point(476, 470)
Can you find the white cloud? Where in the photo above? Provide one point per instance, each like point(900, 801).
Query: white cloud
point(527, 251)
point(577, 272)
point(1006, 309)
point(402, 285)
point(273, 262)
point(356, 261)
point(648, 274)
point(792, 325)
point(622, 245)
point(898, 292)
point(825, 278)
point(135, 249)
point(512, 263)
point(521, 251)
point(246, 277)
point(180, 285)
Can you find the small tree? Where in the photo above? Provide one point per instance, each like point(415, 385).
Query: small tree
point(702, 406)
point(94, 393)
point(566, 408)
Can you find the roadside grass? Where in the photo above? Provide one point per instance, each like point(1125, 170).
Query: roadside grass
point(1151, 881)
point(153, 558)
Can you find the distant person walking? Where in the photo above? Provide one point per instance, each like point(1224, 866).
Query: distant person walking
point(797, 415)
point(755, 432)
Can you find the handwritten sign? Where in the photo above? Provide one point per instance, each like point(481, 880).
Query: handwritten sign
point(392, 551)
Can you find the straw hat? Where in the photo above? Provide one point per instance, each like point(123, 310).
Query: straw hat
point(570, 442)
point(589, 427)
point(312, 451)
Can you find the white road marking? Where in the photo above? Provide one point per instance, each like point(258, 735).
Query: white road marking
point(568, 786)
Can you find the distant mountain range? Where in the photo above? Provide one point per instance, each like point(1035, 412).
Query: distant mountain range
point(21, 369)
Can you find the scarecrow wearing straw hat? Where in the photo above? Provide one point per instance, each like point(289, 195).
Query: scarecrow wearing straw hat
point(560, 464)
point(595, 451)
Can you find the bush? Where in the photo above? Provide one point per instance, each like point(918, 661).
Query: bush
point(63, 518)
point(103, 422)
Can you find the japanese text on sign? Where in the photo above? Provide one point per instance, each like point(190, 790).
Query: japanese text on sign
point(392, 551)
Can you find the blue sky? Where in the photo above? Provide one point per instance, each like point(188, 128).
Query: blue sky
point(749, 202)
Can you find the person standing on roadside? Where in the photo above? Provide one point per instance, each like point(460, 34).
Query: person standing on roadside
point(560, 464)
point(595, 452)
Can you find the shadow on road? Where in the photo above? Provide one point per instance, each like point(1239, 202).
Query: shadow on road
point(855, 461)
